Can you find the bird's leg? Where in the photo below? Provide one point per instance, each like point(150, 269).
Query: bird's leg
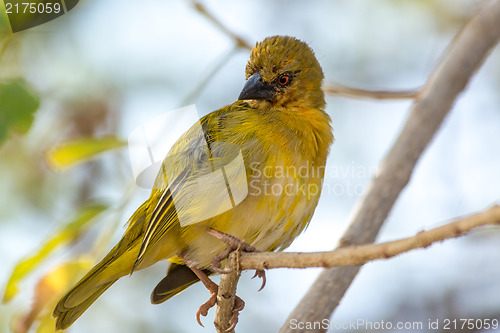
point(213, 288)
point(233, 245)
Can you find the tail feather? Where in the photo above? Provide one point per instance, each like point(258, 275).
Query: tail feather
point(117, 263)
point(67, 316)
point(178, 278)
point(111, 268)
point(91, 286)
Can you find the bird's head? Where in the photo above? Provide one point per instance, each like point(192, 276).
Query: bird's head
point(283, 71)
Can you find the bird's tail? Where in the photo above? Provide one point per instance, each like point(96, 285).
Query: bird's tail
point(91, 286)
point(117, 263)
point(66, 315)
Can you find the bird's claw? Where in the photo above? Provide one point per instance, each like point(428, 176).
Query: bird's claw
point(262, 274)
point(203, 310)
point(239, 304)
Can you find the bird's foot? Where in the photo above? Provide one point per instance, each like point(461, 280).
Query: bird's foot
point(239, 304)
point(233, 245)
point(203, 310)
point(213, 288)
point(216, 261)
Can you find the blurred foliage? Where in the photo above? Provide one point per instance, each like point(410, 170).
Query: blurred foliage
point(71, 152)
point(38, 124)
point(48, 290)
point(68, 233)
point(17, 106)
point(4, 21)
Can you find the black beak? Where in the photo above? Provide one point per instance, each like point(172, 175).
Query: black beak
point(255, 88)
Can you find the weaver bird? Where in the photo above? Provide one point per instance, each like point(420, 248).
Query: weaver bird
point(279, 128)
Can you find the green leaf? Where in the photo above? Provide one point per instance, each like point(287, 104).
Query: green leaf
point(71, 152)
point(4, 22)
point(18, 104)
point(71, 231)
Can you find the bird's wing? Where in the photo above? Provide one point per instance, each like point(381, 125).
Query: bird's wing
point(192, 159)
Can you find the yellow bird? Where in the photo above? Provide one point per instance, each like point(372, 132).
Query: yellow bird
point(269, 148)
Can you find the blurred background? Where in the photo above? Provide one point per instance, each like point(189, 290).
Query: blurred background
point(80, 84)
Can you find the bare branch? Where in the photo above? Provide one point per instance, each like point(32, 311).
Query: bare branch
point(227, 294)
point(361, 254)
point(346, 256)
point(338, 89)
point(240, 42)
point(203, 82)
point(329, 88)
point(462, 58)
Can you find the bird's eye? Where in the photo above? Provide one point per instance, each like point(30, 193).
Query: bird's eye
point(284, 79)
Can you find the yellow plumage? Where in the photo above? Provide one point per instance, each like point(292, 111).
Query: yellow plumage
point(283, 134)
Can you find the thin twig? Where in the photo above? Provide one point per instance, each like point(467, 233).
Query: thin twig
point(330, 88)
point(203, 83)
point(361, 254)
point(240, 42)
point(338, 89)
point(461, 60)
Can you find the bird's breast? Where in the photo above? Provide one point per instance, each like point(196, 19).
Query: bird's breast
point(282, 194)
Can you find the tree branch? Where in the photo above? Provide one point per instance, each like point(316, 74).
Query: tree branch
point(462, 58)
point(347, 256)
point(239, 41)
point(227, 294)
point(361, 254)
point(329, 88)
point(338, 89)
